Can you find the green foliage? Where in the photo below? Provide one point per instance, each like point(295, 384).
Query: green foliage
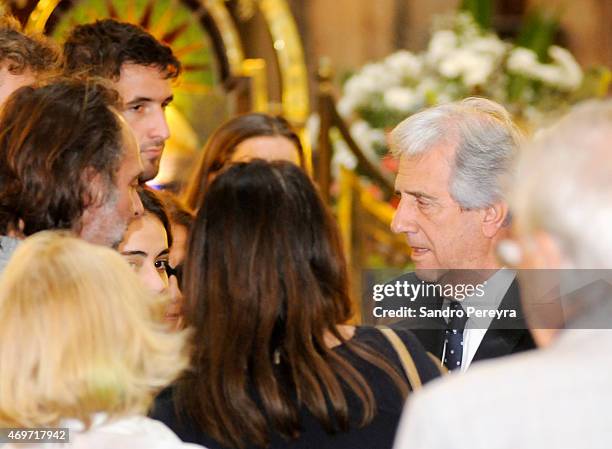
point(481, 10)
point(538, 33)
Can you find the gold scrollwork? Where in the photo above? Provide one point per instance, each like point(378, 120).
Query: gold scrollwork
point(229, 33)
point(38, 18)
point(290, 56)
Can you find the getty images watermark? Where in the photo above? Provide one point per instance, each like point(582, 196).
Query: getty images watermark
point(504, 299)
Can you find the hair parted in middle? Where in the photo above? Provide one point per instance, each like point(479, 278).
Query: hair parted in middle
point(222, 145)
point(80, 335)
point(101, 48)
point(266, 281)
point(53, 139)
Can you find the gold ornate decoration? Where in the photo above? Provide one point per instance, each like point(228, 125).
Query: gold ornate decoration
point(229, 33)
point(38, 18)
point(294, 77)
point(288, 48)
point(246, 9)
point(256, 70)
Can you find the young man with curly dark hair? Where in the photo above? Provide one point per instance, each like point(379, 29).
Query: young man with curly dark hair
point(140, 68)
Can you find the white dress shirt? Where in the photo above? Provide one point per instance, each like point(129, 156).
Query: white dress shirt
point(495, 289)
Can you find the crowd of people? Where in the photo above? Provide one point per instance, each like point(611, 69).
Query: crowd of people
point(222, 318)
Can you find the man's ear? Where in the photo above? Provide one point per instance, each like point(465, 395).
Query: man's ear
point(493, 218)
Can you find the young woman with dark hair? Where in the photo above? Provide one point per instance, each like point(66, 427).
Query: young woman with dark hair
point(275, 364)
point(245, 137)
point(146, 247)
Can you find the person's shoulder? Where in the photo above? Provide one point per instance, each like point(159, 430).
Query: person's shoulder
point(486, 383)
point(376, 340)
point(139, 432)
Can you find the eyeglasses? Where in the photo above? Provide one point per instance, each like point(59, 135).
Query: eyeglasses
point(176, 272)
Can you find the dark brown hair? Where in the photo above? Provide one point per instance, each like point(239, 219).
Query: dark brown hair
point(177, 212)
point(101, 48)
point(23, 51)
point(153, 204)
point(52, 139)
point(223, 142)
point(266, 281)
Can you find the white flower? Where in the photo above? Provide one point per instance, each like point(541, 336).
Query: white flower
point(342, 157)
point(442, 43)
point(401, 98)
point(380, 76)
point(563, 73)
point(346, 105)
point(568, 65)
point(404, 64)
point(477, 70)
point(490, 45)
point(357, 91)
point(366, 137)
point(521, 60)
point(473, 68)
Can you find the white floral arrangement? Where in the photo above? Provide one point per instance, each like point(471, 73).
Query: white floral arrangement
point(461, 60)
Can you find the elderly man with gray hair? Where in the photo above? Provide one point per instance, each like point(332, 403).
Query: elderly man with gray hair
point(453, 159)
point(559, 395)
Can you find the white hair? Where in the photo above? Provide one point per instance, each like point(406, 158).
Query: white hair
point(564, 185)
point(486, 143)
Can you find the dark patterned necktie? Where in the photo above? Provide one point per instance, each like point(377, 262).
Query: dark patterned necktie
point(453, 337)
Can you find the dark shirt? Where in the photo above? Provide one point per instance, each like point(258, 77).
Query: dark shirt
point(378, 434)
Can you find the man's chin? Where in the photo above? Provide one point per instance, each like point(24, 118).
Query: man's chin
point(151, 168)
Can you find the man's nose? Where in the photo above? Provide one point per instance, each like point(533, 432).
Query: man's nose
point(404, 219)
point(159, 125)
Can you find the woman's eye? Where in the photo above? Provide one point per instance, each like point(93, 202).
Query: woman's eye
point(134, 264)
point(161, 265)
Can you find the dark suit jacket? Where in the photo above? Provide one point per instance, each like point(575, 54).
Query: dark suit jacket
point(504, 336)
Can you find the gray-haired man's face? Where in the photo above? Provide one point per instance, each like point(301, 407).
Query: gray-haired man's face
point(441, 234)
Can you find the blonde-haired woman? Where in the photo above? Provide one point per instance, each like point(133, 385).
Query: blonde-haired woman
point(83, 346)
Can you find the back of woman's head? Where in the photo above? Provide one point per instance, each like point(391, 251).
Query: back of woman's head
point(263, 238)
point(265, 282)
point(222, 145)
point(79, 335)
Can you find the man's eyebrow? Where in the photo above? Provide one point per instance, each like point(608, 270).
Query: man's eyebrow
point(417, 194)
point(139, 100)
point(134, 253)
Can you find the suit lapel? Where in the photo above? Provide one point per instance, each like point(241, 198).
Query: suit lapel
point(506, 335)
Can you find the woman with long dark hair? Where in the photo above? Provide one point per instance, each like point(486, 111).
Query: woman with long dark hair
point(275, 363)
point(240, 139)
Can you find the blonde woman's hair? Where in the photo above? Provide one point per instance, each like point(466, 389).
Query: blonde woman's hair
point(79, 335)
